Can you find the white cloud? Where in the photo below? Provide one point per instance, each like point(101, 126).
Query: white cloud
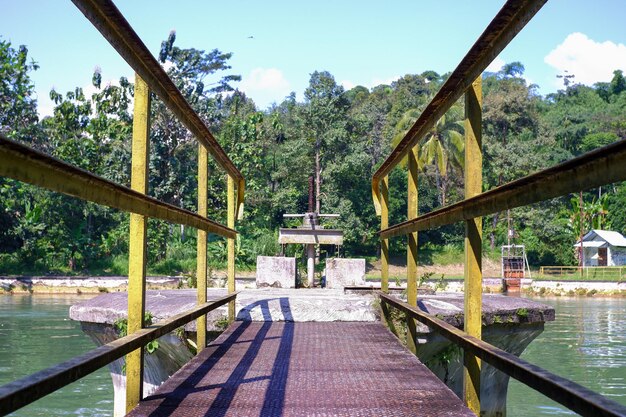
point(589, 61)
point(265, 86)
point(496, 65)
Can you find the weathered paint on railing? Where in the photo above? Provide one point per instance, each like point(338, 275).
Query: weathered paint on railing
point(568, 393)
point(24, 164)
point(26, 390)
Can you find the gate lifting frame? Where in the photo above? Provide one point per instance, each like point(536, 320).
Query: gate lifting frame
point(602, 166)
point(25, 164)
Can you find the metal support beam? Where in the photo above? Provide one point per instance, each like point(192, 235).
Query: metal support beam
point(509, 21)
point(231, 244)
point(384, 243)
point(201, 256)
point(591, 170)
point(137, 242)
point(473, 242)
point(411, 255)
point(25, 164)
point(106, 17)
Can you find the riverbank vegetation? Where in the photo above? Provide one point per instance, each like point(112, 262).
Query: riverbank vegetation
point(339, 137)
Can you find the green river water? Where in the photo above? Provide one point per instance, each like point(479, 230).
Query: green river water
point(586, 343)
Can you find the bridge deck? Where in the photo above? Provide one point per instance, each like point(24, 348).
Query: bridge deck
point(303, 369)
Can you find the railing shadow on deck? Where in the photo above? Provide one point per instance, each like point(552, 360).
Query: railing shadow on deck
point(274, 399)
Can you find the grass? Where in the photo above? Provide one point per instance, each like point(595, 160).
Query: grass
point(577, 278)
point(377, 277)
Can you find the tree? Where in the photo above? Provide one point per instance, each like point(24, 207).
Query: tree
point(324, 115)
point(444, 148)
point(618, 83)
point(18, 108)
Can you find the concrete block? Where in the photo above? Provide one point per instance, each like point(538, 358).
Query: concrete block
point(343, 272)
point(275, 271)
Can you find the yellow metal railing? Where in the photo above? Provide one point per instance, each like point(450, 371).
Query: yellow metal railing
point(596, 168)
point(24, 164)
point(574, 396)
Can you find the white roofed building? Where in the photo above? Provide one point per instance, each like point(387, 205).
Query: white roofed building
point(603, 248)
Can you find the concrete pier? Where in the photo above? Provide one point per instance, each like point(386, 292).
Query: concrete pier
point(508, 322)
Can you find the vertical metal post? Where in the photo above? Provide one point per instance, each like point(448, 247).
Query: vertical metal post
point(137, 240)
point(473, 241)
point(310, 265)
point(231, 245)
point(201, 256)
point(384, 243)
point(411, 260)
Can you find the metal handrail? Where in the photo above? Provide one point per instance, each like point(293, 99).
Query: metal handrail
point(24, 391)
point(509, 21)
point(25, 164)
point(574, 396)
point(598, 167)
point(106, 17)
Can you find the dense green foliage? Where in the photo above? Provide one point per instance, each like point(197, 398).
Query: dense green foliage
point(337, 137)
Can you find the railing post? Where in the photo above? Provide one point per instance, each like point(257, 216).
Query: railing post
point(231, 244)
point(384, 243)
point(411, 258)
point(201, 256)
point(137, 240)
point(473, 241)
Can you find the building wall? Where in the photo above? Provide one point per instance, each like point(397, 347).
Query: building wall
point(618, 256)
point(588, 254)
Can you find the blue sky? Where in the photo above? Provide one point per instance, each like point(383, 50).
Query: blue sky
point(360, 43)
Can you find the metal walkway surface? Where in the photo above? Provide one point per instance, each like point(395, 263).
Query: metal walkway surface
point(303, 369)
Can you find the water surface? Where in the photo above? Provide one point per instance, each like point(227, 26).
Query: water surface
point(586, 343)
point(35, 333)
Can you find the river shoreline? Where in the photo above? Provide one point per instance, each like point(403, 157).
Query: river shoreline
point(94, 285)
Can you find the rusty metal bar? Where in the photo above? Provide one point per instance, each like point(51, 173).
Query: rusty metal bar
point(24, 391)
point(137, 246)
point(411, 248)
point(473, 274)
point(24, 164)
point(201, 245)
point(568, 393)
point(105, 16)
point(593, 169)
point(230, 218)
point(509, 21)
point(384, 243)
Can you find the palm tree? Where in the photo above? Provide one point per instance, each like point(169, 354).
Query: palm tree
point(443, 146)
